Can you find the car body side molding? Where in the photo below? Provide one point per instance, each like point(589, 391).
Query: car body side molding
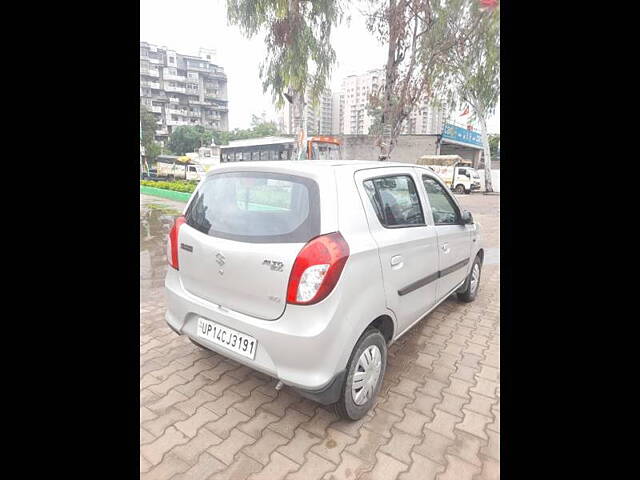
point(430, 278)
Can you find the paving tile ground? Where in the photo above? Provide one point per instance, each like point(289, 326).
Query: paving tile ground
point(438, 417)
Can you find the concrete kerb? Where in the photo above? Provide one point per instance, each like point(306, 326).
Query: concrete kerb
point(161, 192)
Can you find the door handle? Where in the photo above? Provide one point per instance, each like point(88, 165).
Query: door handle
point(445, 248)
point(396, 260)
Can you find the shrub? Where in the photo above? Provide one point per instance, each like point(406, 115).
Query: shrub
point(176, 186)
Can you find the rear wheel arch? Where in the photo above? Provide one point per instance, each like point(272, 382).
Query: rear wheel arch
point(384, 323)
point(386, 326)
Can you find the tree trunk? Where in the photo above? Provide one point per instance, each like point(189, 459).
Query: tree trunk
point(303, 128)
point(298, 105)
point(488, 186)
point(300, 123)
point(386, 124)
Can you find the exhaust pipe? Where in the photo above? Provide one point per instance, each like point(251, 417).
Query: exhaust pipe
point(279, 385)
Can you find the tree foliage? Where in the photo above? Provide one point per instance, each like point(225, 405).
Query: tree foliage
point(419, 35)
point(152, 151)
point(494, 145)
point(261, 127)
point(475, 64)
point(148, 125)
point(299, 51)
point(188, 138)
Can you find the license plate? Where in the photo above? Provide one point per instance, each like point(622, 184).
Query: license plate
point(228, 338)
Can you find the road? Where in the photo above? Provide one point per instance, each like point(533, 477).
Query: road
point(436, 417)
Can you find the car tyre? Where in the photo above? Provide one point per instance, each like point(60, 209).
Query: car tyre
point(472, 283)
point(347, 407)
point(459, 189)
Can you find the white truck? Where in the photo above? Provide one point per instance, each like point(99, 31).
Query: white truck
point(456, 172)
point(208, 157)
point(178, 168)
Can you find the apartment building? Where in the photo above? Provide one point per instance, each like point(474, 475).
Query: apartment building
point(183, 89)
point(350, 108)
point(425, 119)
point(355, 91)
point(319, 117)
point(336, 113)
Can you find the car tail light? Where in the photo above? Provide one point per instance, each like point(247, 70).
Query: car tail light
point(317, 269)
point(172, 246)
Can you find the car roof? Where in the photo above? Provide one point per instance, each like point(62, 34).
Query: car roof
point(311, 165)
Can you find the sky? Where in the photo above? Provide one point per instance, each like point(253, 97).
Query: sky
point(186, 25)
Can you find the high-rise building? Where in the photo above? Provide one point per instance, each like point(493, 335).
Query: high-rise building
point(426, 118)
point(351, 115)
point(354, 118)
point(336, 112)
point(319, 117)
point(183, 89)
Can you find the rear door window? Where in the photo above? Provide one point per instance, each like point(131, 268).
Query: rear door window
point(444, 209)
point(256, 207)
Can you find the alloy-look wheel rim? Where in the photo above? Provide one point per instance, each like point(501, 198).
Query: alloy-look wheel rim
point(366, 375)
point(475, 277)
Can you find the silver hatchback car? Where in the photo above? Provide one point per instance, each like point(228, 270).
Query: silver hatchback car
point(308, 270)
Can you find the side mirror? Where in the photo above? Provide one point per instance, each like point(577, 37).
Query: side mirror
point(467, 219)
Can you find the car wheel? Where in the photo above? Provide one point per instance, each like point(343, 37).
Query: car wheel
point(365, 371)
point(459, 189)
point(470, 287)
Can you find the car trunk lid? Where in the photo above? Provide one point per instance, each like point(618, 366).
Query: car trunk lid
point(242, 234)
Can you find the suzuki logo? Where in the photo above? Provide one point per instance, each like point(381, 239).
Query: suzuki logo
point(220, 259)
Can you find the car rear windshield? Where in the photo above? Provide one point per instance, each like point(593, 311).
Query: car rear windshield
point(256, 207)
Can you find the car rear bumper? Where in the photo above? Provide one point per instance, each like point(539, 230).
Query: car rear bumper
point(302, 348)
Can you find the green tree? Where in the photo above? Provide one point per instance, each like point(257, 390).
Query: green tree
point(148, 125)
point(220, 137)
point(494, 145)
point(188, 138)
point(152, 152)
point(419, 35)
point(476, 65)
point(148, 136)
point(299, 51)
point(261, 127)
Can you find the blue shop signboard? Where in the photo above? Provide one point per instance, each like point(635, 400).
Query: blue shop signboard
point(459, 134)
